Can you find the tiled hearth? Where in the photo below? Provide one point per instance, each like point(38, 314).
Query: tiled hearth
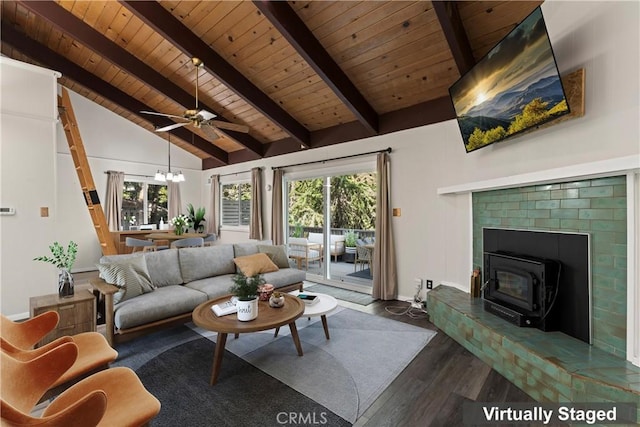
point(549, 366)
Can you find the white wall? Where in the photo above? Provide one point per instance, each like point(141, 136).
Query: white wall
point(112, 143)
point(433, 235)
point(27, 182)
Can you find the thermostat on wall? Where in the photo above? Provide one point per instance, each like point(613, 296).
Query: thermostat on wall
point(7, 211)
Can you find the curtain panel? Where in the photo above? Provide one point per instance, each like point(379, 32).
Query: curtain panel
point(113, 203)
point(255, 225)
point(175, 199)
point(385, 279)
point(277, 211)
point(213, 208)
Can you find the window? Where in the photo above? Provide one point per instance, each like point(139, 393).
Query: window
point(236, 204)
point(143, 203)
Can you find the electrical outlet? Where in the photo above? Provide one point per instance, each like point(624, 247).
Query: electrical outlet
point(429, 284)
point(418, 282)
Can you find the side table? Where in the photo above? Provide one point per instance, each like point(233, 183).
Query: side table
point(77, 313)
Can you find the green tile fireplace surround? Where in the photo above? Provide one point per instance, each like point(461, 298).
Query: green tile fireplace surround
point(548, 366)
point(552, 366)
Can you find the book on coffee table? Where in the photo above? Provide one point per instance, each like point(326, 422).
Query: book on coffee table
point(225, 308)
point(309, 299)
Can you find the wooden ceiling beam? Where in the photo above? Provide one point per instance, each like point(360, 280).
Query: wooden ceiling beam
point(423, 114)
point(454, 32)
point(67, 23)
point(294, 30)
point(52, 60)
point(163, 22)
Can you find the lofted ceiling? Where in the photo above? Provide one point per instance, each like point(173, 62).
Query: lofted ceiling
point(298, 74)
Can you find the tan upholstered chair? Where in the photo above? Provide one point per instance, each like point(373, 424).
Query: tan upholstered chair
point(113, 397)
point(18, 338)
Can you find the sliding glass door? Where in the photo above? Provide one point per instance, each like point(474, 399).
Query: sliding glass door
point(331, 220)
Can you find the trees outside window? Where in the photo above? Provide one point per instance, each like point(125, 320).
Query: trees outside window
point(143, 203)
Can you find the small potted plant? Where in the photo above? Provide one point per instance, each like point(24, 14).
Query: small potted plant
point(246, 290)
point(350, 239)
point(63, 261)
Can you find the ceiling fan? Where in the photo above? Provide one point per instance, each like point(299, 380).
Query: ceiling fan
point(201, 119)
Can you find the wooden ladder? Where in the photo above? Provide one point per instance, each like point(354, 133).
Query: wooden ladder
point(70, 126)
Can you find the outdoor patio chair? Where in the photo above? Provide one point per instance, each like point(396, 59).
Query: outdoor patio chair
point(189, 242)
point(363, 256)
point(303, 251)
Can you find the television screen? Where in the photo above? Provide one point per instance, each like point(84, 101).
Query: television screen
point(513, 88)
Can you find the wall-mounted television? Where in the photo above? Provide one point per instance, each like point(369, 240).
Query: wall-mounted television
point(513, 88)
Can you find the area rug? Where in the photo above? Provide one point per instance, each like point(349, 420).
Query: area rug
point(345, 374)
point(362, 274)
point(341, 294)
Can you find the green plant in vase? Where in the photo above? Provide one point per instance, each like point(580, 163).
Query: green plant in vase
point(63, 260)
point(180, 224)
point(196, 216)
point(246, 290)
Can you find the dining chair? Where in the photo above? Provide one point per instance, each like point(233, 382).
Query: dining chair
point(113, 397)
point(140, 245)
point(189, 242)
point(210, 238)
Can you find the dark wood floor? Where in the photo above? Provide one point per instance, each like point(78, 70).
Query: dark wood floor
point(432, 389)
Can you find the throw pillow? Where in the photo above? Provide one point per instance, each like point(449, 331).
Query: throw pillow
point(131, 276)
point(278, 254)
point(251, 265)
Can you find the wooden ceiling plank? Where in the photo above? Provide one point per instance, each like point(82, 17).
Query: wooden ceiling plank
point(302, 39)
point(68, 23)
point(454, 32)
point(80, 75)
point(163, 22)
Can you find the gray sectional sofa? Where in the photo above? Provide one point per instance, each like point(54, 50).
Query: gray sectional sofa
point(180, 280)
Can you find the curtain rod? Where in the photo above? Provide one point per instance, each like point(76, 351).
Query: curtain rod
point(387, 150)
point(132, 174)
point(234, 173)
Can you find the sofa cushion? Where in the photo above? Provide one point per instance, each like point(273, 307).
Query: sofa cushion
point(251, 265)
point(284, 277)
point(162, 303)
point(214, 287)
point(198, 263)
point(249, 248)
point(163, 266)
point(130, 276)
point(277, 253)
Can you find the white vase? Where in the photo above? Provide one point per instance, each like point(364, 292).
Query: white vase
point(247, 310)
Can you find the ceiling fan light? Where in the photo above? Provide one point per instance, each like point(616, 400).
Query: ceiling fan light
point(159, 177)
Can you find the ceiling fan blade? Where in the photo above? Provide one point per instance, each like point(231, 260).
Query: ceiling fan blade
point(210, 131)
point(171, 127)
point(153, 113)
point(230, 126)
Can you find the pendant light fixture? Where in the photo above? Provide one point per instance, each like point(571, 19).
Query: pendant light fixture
point(169, 176)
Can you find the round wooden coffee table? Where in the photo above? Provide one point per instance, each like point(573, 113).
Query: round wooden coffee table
point(268, 318)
